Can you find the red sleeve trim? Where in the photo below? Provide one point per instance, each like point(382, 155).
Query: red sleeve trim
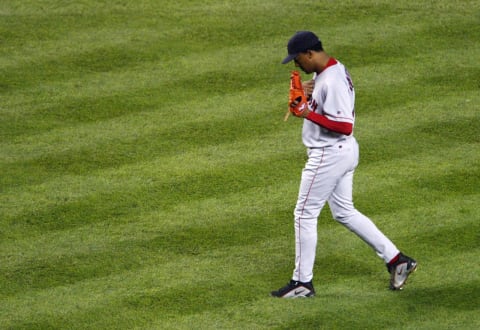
point(334, 126)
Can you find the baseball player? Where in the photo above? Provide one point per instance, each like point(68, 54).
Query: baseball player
point(327, 109)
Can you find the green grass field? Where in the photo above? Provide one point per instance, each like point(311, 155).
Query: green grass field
point(147, 179)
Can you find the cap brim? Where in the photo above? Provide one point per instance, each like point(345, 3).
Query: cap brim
point(289, 58)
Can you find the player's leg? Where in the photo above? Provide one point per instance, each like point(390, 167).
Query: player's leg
point(307, 210)
point(316, 185)
point(343, 210)
point(319, 178)
point(341, 204)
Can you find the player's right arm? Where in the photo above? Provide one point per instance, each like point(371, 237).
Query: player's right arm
point(341, 127)
point(334, 113)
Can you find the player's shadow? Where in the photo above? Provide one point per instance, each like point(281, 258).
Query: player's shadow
point(457, 296)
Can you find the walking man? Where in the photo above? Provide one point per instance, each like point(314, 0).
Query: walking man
point(328, 117)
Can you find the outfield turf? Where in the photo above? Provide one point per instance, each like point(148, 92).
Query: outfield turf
point(147, 178)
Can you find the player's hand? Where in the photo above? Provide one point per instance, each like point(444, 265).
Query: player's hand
point(297, 101)
point(308, 87)
point(299, 107)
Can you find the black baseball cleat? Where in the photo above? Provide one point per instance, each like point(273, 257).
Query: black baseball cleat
point(401, 267)
point(295, 289)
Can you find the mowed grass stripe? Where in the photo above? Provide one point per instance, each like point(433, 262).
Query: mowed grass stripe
point(158, 72)
point(435, 183)
point(376, 139)
point(126, 103)
point(203, 251)
point(185, 215)
point(75, 104)
point(193, 62)
point(328, 310)
point(168, 239)
point(133, 45)
point(140, 244)
point(58, 214)
point(156, 287)
point(111, 104)
point(43, 149)
point(105, 132)
point(203, 214)
point(382, 14)
point(164, 168)
point(145, 121)
point(113, 152)
point(140, 57)
point(192, 229)
point(434, 180)
point(166, 184)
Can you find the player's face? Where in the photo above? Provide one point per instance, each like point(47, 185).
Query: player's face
point(301, 61)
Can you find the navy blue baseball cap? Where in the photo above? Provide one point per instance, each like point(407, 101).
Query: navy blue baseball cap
point(299, 43)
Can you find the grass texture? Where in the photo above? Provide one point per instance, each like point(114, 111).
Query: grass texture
point(147, 180)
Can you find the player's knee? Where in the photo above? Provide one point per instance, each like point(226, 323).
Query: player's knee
point(343, 217)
